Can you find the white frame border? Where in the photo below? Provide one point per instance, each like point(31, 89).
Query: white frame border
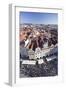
point(13, 74)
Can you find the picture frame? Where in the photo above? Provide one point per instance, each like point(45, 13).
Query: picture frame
point(14, 45)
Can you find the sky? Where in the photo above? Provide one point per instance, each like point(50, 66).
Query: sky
point(38, 18)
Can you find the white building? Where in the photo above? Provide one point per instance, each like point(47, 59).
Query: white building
point(40, 53)
point(45, 45)
point(31, 54)
point(37, 53)
point(45, 51)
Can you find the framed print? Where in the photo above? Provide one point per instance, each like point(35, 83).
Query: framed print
point(35, 45)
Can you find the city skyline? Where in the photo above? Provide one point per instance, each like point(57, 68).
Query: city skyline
point(38, 18)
